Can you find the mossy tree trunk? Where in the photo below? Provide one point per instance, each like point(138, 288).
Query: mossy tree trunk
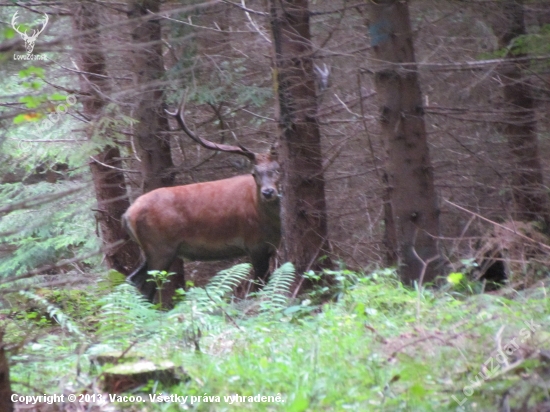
point(531, 202)
point(153, 142)
point(412, 216)
point(151, 131)
point(303, 214)
point(106, 166)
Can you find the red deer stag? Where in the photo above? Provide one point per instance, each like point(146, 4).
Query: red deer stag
point(206, 221)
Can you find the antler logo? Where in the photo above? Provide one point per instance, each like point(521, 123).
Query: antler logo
point(29, 39)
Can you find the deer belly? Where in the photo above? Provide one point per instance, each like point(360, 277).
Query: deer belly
point(212, 251)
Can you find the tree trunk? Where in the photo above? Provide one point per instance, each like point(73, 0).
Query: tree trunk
point(414, 223)
point(153, 143)
point(390, 234)
point(519, 127)
point(6, 405)
point(303, 214)
point(109, 184)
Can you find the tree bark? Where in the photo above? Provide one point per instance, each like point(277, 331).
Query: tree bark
point(6, 405)
point(413, 224)
point(303, 214)
point(153, 143)
point(531, 201)
point(109, 183)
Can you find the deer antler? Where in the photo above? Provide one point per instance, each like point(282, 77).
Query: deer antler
point(44, 23)
point(13, 22)
point(178, 114)
point(35, 32)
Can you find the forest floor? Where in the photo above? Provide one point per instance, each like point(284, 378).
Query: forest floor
point(375, 346)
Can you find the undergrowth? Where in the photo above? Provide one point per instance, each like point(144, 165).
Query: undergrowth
point(379, 346)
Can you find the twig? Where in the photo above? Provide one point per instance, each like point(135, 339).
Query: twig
point(49, 140)
point(456, 66)
point(257, 115)
point(446, 341)
point(260, 13)
point(113, 167)
point(498, 340)
point(125, 351)
point(308, 267)
point(222, 309)
point(351, 6)
point(505, 370)
point(48, 284)
point(375, 160)
point(61, 263)
point(256, 27)
point(347, 108)
point(38, 200)
point(425, 264)
point(542, 245)
point(190, 22)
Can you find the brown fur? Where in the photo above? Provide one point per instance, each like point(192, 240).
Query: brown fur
point(208, 221)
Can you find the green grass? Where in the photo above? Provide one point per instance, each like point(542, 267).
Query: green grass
point(380, 347)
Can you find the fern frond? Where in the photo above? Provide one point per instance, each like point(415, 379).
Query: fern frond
point(226, 280)
point(200, 311)
point(212, 295)
point(275, 294)
point(125, 313)
point(55, 313)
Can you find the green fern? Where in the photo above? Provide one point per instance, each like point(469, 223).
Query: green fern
point(274, 296)
point(125, 315)
point(55, 313)
point(220, 286)
point(56, 224)
point(225, 281)
point(201, 310)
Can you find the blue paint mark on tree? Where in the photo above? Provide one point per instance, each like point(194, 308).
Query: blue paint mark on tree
point(380, 31)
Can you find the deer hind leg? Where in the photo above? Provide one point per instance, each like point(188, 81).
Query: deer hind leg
point(260, 262)
point(155, 260)
point(138, 276)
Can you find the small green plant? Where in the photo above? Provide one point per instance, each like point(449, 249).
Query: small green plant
point(160, 278)
point(459, 283)
point(338, 284)
point(345, 281)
